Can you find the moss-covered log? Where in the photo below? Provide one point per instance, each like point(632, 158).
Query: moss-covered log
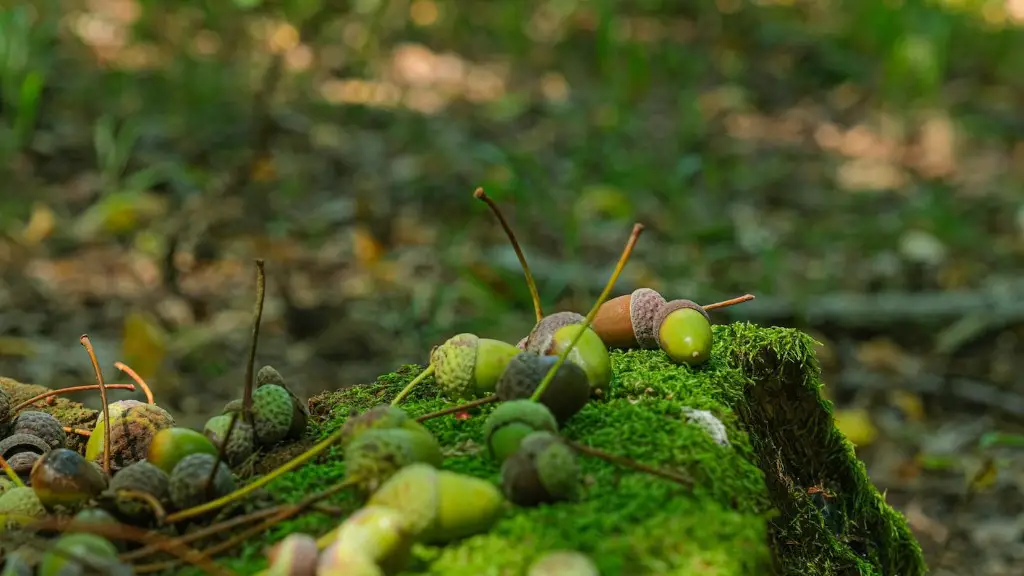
point(786, 495)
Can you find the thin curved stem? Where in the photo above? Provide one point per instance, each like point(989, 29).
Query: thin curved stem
point(138, 380)
point(408, 387)
point(85, 388)
point(730, 302)
point(479, 194)
point(460, 408)
point(103, 398)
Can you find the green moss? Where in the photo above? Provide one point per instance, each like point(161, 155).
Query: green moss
point(786, 496)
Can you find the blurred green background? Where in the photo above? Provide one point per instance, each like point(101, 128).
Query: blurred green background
point(858, 165)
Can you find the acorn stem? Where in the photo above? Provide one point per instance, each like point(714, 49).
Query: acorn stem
point(627, 463)
point(460, 408)
point(221, 450)
point(626, 252)
point(85, 388)
point(408, 387)
point(103, 398)
point(159, 513)
point(479, 194)
point(78, 431)
point(244, 491)
point(138, 380)
point(261, 285)
point(730, 302)
point(11, 473)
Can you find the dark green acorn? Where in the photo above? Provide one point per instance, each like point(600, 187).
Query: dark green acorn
point(543, 470)
point(188, 484)
point(565, 396)
point(141, 477)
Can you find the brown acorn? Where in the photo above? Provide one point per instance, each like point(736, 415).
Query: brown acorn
point(543, 470)
point(628, 320)
point(42, 425)
point(63, 478)
point(565, 396)
point(132, 427)
point(555, 332)
point(142, 477)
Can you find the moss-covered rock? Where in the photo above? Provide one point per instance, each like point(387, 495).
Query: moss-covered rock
point(786, 495)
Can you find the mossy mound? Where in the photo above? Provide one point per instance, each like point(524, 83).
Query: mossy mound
point(786, 495)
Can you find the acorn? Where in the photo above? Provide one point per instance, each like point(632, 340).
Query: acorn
point(440, 506)
point(512, 421)
point(684, 332)
point(273, 413)
point(373, 456)
point(235, 405)
point(142, 477)
point(467, 366)
point(381, 416)
point(543, 470)
point(87, 517)
point(42, 425)
point(21, 451)
point(566, 395)
point(268, 375)
point(628, 320)
point(132, 426)
point(20, 501)
point(556, 331)
point(188, 484)
point(170, 445)
point(563, 563)
point(343, 561)
point(81, 553)
point(241, 441)
point(63, 478)
point(380, 533)
point(296, 555)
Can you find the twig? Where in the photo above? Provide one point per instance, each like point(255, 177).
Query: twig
point(138, 380)
point(221, 450)
point(459, 408)
point(103, 398)
point(204, 532)
point(154, 504)
point(85, 388)
point(257, 315)
point(628, 463)
point(11, 473)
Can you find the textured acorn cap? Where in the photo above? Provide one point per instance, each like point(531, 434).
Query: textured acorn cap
point(63, 477)
point(455, 364)
point(21, 501)
point(644, 305)
point(139, 477)
point(241, 441)
point(375, 455)
point(565, 396)
point(41, 424)
point(188, 486)
point(272, 414)
point(531, 416)
point(543, 470)
point(132, 427)
point(380, 416)
point(539, 340)
point(563, 563)
point(684, 331)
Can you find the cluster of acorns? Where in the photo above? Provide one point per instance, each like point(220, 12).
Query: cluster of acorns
point(155, 466)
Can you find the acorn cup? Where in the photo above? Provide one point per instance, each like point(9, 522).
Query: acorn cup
point(268, 375)
point(567, 394)
point(22, 451)
point(188, 483)
point(275, 415)
point(512, 421)
point(627, 321)
point(381, 416)
point(62, 478)
point(555, 332)
point(142, 477)
point(170, 445)
point(376, 454)
point(467, 366)
point(441, 506)
point(380, 533)
point(21, 501)
point(543, 470)
point(41, 425)
point(133, 425)
point(296, 555)
point(241, 441)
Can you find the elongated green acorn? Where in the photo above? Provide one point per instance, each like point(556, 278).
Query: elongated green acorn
point(684, 332)
point(379, 532)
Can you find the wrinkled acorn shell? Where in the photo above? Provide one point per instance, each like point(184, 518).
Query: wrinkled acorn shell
point(567, 394)
point(63, 477)
point(188, 486)
point(539, 340)
point(16, 443)
point(43, 425)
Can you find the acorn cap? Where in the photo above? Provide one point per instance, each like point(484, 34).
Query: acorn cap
point(539, 340)
point(18, 443)
point(139, 477)
point(644, 305)
point(454, 365)
point(241, 442)
point(63, 477)
point(543, 470)
point(272, 413)
point(188, 484)
point(684, 332)
point(528, 417)
point(380, 416)
point(42, 425)
point(565, 396)
point(414, 492)
point(376, 455)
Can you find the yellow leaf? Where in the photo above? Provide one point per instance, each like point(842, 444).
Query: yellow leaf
point(119, 213)
point(264, 170)
point(856, 425)
point(984, 477)
point(367, 249)
point(909, 403)
point(39, 226)
point(145, 344)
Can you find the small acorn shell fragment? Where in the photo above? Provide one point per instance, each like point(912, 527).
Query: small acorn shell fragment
point(295, 555)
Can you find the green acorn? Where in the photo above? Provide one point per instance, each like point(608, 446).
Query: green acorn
point(170, 445)
point(467, 366)
point(543, 470)
point(381, 534)
point(684, 332)
point(565, 396)
point(273, 412)
point(80, 553)
point(241, 442)
point(188, 484)
point(555, 332)
point(132, 427)
point(382, 416)
point(20, 501)
point(142, 477)
point(563, 563)
point(440, 506)
point(373, 456)
point(512, 421)
point(343, 561)
point(63, 478)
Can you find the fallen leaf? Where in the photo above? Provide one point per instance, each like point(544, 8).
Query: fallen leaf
point(367, 249)
point(144, 344)
point(910, 404)
point(884, 355)
point(984, 476)
point(40, 225)
point(856, 425)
